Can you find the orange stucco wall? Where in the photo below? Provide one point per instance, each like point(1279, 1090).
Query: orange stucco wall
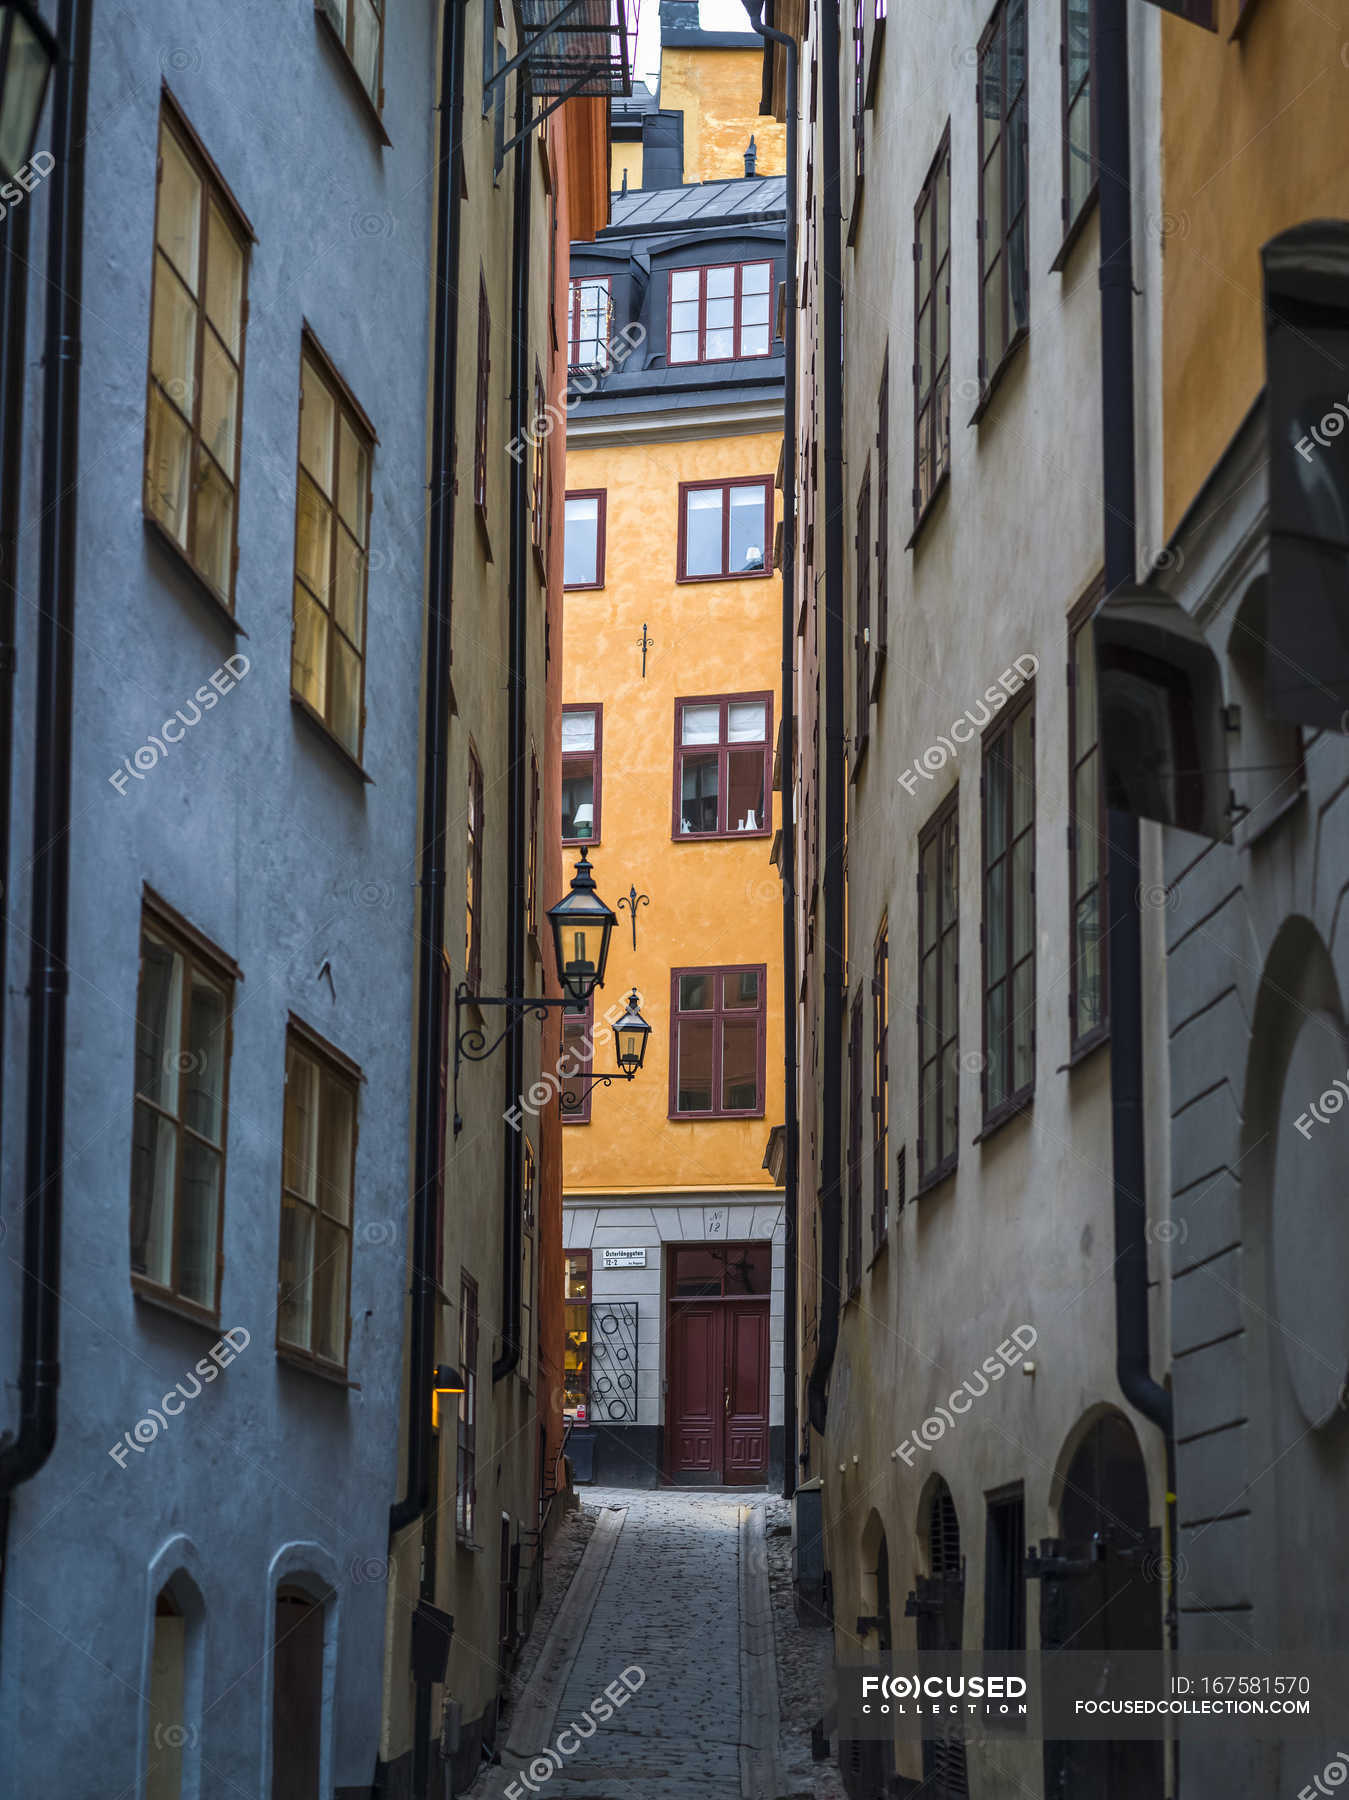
point(712, 902)
point(718, 93)
point(1253, 140)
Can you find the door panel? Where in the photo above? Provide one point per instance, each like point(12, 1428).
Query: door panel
point(746, 1394)
point(696, 1355)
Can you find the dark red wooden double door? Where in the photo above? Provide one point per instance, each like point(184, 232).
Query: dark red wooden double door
point(717, 1422)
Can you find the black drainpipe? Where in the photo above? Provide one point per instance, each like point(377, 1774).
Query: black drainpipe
point(831, 1086)
point(13, 371)
point(521, 403)
point(431, 998)
point(39, 1368)
point(1132, 1359)
point(788, 703)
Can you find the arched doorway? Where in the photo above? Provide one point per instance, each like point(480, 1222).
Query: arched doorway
point(1101, 1593)
point(868, 1764)
point(937, 1603)
point(297, 1695)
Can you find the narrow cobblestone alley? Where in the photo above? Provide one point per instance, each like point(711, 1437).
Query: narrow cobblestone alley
point(670, 1611)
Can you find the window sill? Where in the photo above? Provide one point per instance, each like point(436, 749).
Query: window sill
point(540, 565)
point(855, 216)
point(163, 1301)
point(942, 483)
point(995, 380)
point(1085, 1048)
point(1075, 230)
point(879, 1251)
point(468, 1545)
point(879, 658)
point(936, 1178)
point(859, 756)
point(738, 575)
point(305, 711)
point(156, 532)
point(582, 587)
point(716, 1118)
point(367, 105)
point(1015, 1108)
point(310, 1365)
point(484, 535)
point(874, 63)
point(717, 837)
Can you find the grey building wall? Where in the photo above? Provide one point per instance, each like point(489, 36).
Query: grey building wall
point(258, 832)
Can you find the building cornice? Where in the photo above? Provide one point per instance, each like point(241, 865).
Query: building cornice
point(674, 425)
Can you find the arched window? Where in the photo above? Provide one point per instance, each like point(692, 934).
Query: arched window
point(297, 1695)
point(173, 1721)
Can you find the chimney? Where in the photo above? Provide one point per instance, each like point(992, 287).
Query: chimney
point(663, 149)
point(751, 157)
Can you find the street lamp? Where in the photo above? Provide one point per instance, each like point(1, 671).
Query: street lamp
point(27, 55)
point(582, 925)
point(631, 1034)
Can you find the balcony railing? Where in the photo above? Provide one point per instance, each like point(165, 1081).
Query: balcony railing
point(578, 48)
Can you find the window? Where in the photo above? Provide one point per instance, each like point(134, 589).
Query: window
point(480, 405)
point(1009, 908)
point(883, 512)
point(332, 541)
point(198, 314)
point(1004, 295)
point(720, 313)
point(174, 1708)
point(725, 529)
point(473, 896)
point(359, 25)
point(1088, 984)
point(723, 770)
point(938, 1013)
point(532, 865)
point(721, 1271)
point(1079, 115)
point(932, 332)
point(529, 1185)
point(578, 1054)
point(718, 1029)
point(318, 1169)
point(183, 1004)
point(538, 491)
point(298, 1671)
point(466, 1461)
point(590, 310)
point(859, 98)
point(880, 1088)
point(855, 1142)
point(583, 543)
point(862, 636)
point(582, 748)
point(576, 1356)
point(1004, 1574)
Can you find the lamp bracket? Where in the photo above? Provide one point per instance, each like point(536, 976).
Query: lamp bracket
point(472, 1045)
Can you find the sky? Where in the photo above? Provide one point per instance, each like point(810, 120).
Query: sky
point(713, 15)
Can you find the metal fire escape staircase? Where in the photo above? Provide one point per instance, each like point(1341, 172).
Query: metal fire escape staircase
point(569, 50)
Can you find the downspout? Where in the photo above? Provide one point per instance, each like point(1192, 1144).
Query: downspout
point(516, 822)
point(435, 787)
point(13, 370)
point(831, 1090)
point(1125, 937)
point(39, 1368)
point(788, 716)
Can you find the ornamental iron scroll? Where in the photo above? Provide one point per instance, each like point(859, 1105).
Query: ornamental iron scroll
point(613, 1362)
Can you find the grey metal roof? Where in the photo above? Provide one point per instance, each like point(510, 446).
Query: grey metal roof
point(627, 109)
point(696, 203)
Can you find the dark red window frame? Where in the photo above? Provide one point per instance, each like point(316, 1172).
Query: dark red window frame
point(1081, 1040)
point(862, 633)
point(473, 887)
point(601, 495)
point(931, 290)
point(577, 758)
point(998, 746)
point(480, 402)
point(578, 1041)
point(856, 1137)
point(701, 270)
point(766, 482)
point(532, 865)
point(939, 1037)
point(574, 287)
point(724, 749)
point(719, 1014)
point(883, 515)
point(539, 486)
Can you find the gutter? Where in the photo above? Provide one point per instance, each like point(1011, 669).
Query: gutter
point(431, 998)
point(512, 1198)
point(39, 1369)
point(787, 717)
point(1125, 937)
point(835, 920)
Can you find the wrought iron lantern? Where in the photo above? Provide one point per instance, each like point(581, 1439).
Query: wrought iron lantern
point(27, 56)
point(582, 926)
point(631, 1033)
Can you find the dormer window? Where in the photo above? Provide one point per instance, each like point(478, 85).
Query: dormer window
point(589, 312)
point(721, 313)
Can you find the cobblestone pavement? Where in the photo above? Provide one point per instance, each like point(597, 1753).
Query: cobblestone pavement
point(667, 1616)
